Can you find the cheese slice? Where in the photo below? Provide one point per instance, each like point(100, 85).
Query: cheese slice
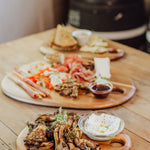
point(98, 43)
point(93, 49)
point(95, 46)
point(102, 67)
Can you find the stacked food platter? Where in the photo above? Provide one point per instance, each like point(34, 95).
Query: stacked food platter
point(74, 73)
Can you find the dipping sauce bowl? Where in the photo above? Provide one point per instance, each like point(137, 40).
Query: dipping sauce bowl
point(101, 126)
point(100, 90)
point(82, 36)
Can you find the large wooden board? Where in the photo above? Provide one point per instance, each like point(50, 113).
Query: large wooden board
point(120, 142)
point(46, 49)
point(119, 80)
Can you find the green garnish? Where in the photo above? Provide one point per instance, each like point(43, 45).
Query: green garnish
point(100, 78)
point(61, 117)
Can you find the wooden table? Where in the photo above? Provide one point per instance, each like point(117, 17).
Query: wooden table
point(136, 112)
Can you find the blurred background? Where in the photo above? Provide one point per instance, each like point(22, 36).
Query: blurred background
point(125, 21)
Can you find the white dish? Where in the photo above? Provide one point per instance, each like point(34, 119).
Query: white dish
point(101, 137)
point(82, 36)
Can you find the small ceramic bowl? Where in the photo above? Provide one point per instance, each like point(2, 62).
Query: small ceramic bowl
point(54, 58)
point(82, 36)
point(100, 90)
point(81, 124)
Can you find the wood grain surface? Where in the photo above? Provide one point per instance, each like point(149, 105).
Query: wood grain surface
point(119, 80)
point(135, 113)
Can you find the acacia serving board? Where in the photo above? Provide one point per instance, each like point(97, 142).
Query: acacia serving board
point(120, 81)
point(46, 49)
point(120, 142)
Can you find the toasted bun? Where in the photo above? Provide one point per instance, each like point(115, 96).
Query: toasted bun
point(63, 38)
point(51, 37)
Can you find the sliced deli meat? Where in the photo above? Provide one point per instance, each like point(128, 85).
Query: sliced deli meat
point(81, 73)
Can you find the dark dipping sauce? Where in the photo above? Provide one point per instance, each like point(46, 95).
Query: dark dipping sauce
point(100, 87)
point(100, 90)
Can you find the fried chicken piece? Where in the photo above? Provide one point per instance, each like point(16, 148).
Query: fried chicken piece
point(70, 122)
point(56, 138)
point(84, 86)
point(74, 93)
point(60, 143)
point(77, 132)
point(37, 136)
point(45, 118)
point(62, 140)
point(75, 124)
point(46, 146)
point(68, 85)
point(66, 92)
point(58, 87)
point(72, 146)
point(71, 88)
point(65, 85)
point(83, 143)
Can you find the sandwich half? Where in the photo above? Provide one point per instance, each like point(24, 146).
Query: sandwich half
point(63, 40)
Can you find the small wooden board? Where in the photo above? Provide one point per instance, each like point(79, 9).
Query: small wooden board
point(120, 142)
point(120, 81)
point(46, 49)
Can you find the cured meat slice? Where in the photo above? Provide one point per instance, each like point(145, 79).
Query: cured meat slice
point(81, 73)
point(61, 68)
point(70, 60)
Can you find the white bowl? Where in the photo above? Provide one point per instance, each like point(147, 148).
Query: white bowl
point(81, 124)
point(82, 36)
